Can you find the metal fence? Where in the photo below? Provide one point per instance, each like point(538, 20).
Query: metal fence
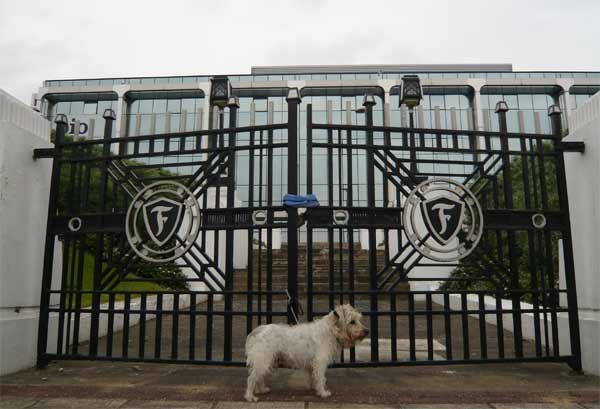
point(457, 245)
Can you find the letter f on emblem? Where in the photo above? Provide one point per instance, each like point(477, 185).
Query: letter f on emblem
point(160, 219)
point(443, 218)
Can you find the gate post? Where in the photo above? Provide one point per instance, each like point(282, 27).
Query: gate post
point(555, 117)
point(501, 109)
point(109, 117)
point(368, 103)
point(233, 105)
point(61, 129)
point(293, 100)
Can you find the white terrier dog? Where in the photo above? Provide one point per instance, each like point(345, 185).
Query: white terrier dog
point(311, 346)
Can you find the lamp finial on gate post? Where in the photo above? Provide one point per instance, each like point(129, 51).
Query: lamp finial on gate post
point(369, 100)
point(61, 119)
point(233, 102)
point(554, 110)
point(109, 114)
point(293, 94)
point(501, 106)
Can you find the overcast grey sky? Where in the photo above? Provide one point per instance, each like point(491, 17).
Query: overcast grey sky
point(83, 39)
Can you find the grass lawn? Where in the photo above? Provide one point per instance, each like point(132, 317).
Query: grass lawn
point(88, 284)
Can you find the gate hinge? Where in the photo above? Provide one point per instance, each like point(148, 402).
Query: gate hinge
point(41, 153)
point(572, 146)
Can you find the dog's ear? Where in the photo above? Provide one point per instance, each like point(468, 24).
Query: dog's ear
point(338, 312)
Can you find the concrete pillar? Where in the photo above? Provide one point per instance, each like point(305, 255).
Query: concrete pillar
point(387, 86)
point(477, 84)
point(437, 118)
point(121, 121)
point(420, 117)
point(566, 84)
point(453, 119)
point(24, 193)
point(404, 116)
point(584, 196)
point(386, 114)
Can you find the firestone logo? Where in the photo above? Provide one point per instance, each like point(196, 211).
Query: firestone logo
point(443, 220)
point(163, 222)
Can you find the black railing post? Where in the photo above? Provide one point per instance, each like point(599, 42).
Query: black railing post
point(109, 116)
point(563, 199)
point(61, 129)
point(368, 103)
point(501, 109)
point(233, 105)
point(413, 147)
point(293, 100)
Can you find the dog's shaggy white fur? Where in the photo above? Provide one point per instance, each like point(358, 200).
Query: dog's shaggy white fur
point(311, 346)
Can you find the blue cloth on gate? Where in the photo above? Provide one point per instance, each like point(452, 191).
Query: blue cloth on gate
point(300, 200)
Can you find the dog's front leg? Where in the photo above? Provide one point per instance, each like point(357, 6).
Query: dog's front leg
point(318, 378)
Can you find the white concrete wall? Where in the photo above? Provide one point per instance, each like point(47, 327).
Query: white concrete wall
point(24, 190)
point(583, 174)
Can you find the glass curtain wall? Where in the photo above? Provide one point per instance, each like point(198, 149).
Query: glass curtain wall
point(340, 99)
point(579, 95)
point(164, 112)
point(258, 103)
point(86, 108)
point(443, 108)
point(532, 101)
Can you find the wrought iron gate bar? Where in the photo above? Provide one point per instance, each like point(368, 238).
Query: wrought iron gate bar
point(426, 149)
point(433, 131)
point(168, 154)
point(358, 217)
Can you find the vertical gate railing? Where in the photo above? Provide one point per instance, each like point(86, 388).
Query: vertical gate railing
point(293, 100)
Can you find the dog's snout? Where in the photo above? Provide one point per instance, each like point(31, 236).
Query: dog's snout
point(366, 332)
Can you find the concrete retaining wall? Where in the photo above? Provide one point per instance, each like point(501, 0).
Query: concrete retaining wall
point(24, 190)
point(583, 175)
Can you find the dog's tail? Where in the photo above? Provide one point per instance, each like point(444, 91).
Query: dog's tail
point(251, 341)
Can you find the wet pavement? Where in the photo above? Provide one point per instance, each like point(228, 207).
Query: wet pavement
point(123, 383)
point(127, 385)
point(26, 403)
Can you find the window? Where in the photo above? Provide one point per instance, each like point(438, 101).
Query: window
point(90, 108)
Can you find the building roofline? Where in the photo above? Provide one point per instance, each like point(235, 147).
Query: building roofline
point(324, 69)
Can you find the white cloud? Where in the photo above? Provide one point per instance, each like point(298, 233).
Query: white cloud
point(75, 39)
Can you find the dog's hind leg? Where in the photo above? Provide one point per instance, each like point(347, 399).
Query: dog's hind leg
point(259, 369)
point(253, 378)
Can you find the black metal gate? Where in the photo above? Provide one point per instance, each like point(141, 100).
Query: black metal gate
point(161, 262)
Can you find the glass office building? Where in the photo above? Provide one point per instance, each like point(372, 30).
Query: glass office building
point(455, 97)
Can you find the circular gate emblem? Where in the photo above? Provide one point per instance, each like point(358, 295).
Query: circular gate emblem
point(162, 221)
point(443, 220)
